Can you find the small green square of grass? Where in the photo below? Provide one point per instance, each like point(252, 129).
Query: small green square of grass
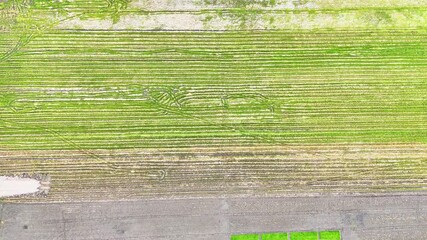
point(274, 236)
point(245, 237)
point(329, 235)
point(304, 236)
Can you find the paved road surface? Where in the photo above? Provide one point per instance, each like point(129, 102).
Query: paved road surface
point(370, 218)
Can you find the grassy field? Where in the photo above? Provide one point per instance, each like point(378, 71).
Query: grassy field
point(330, 109)
point(102, 89)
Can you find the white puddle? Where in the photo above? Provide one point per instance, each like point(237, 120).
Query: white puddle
point(13, 186)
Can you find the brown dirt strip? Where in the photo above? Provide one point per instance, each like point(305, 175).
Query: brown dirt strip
point(207, 172)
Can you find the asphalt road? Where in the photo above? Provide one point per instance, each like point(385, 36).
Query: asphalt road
point(397, 217)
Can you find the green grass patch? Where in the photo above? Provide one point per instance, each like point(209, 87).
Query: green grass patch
point(329, 235)
point(304, 236)
point(245, 237)
point(274, 236)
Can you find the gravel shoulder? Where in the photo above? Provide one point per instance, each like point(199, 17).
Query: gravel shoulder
point(357, 217)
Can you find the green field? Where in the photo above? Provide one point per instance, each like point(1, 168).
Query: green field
point(132, 89)
point(139, 99)
point(90, 88)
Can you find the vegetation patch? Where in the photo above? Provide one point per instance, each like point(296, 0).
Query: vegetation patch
point(329, 235)
point(274, 236)
point(245, 237)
